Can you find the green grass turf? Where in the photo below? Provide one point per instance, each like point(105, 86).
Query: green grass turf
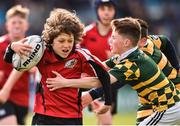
point(90, 119)
point(118, 119)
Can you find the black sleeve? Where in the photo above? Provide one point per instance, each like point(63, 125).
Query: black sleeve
point(8, 54)
point(170, 52)
point(98, 92)
point(104, 78)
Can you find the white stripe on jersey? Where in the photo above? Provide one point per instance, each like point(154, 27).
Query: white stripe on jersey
point(88, 56)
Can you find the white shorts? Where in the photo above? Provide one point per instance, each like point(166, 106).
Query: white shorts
point(170, 116)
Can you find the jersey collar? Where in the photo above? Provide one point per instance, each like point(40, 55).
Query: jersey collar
point(127, 53)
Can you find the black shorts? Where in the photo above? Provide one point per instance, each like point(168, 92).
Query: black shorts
point(9, 108)
point(39, 119)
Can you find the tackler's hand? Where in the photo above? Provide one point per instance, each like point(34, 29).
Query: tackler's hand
point(103, 109)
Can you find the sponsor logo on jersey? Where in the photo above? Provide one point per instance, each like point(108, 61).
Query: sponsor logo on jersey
point(71, 63)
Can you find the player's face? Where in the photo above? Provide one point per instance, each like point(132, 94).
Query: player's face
point(17, 27)
point(63, 44)
point(106, 14)
point(117, 43)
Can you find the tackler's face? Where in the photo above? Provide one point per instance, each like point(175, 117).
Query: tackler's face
point(63, 44)
point(117, 43)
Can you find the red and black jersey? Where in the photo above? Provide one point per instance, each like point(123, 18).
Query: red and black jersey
point(96, 43)
point(20, 91)
point(64, 102)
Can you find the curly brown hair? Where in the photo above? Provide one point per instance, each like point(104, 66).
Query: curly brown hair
point(62, 21)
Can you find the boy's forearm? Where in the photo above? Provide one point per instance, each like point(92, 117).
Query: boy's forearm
point(88, 82)
point(12, 79)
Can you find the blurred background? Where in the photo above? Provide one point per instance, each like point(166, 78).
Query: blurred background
point(163, 17)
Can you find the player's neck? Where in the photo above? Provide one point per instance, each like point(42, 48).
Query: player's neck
point(103, 29)
point(127, 51)
point(14, 38)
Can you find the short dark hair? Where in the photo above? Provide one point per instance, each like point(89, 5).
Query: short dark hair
point(99, 3)
point(128, 27)
point(144, 27)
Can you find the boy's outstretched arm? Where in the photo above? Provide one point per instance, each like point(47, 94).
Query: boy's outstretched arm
point(12, 79)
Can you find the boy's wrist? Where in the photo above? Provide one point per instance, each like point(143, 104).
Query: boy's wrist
point(10, 47)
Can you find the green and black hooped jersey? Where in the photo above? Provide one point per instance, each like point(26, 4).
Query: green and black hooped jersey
point(159, 40)
point(152, 49)
point(142, 73)
point(167, 47)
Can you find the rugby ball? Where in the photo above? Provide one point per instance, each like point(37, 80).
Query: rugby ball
point(26, 63)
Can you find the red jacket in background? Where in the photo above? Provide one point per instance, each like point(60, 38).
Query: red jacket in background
point(95, 43)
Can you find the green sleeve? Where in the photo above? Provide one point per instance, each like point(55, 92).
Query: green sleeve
point(112, 61)
point(164, 41)
point(126, 72)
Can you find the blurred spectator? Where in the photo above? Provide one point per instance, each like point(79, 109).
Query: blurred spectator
point(162, 15)
point(96, 40)
point(14, 99)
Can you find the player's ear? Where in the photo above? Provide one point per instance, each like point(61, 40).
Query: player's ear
point(126, 42)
